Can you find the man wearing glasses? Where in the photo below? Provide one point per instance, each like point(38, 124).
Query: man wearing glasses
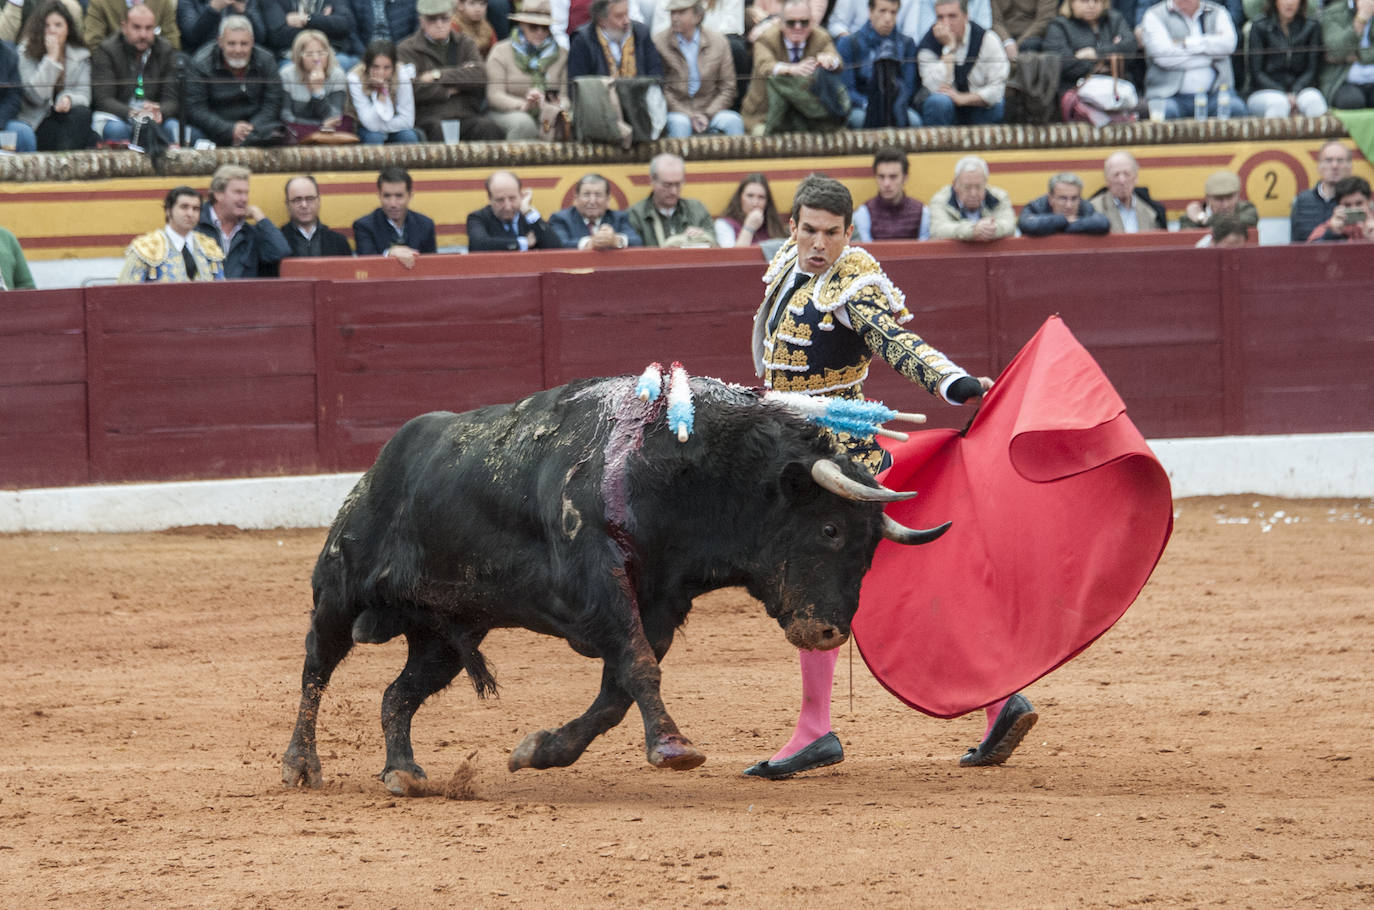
point(794, 48)
point(450, 77)
point(305, 235)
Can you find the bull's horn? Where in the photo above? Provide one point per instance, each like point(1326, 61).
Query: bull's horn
point(828, 474)
point(900, 533)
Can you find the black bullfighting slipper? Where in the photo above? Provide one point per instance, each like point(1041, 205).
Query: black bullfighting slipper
point(1013, 723)
point(820, 753)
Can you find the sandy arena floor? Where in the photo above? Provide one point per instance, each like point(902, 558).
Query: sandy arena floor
point(1211, 750)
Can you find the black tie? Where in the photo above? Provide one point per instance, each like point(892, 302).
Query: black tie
point(514, 231)
point(786, 298)
point(186, 257)
point(796, 54)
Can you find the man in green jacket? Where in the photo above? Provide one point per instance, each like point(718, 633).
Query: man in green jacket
point(665, 218)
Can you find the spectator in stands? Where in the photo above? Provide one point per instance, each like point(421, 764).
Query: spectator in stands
point(1228, 231)
point(392, 229)
point(470, 18)
point(1188, 47)
point(1021, 24)
point(55, 69)
point(698, 74)
point(451, 79)
point(133, 76)
point(200, 21)
point(314, 87)
point(1347, 80)
point(1062, 211)
point(917, 17)
point(1312, 207)
point(879, 70)
point(666, 219)
point(526, 72)
point(233, 93)
point(970, 209)
point(794, 65)
point(1350, 218)
point(1283, 56)
point(286, 19)
point(14, 268)
point(750, 217)
point(177, 252)
point(611, 44)
point(1129, 209)
point(1222, 197)
point(964, 68)
point(589, 223)
point(892, 214)
point(724, 16)
point(252, 244)
point(15, 15)
point(304, 233)
point(509, 222)
point(383, 97)
point(105, 17)
point(1085, 37)
point(11, 99)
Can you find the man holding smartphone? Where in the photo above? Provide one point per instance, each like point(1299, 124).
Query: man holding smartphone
point(1350, 220)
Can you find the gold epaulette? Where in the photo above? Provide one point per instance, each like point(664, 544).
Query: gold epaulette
point(150, 248)
point(208, 246)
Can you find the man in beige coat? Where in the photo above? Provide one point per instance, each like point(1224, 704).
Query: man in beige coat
point(526, 73)
point(970, 209)
point(1126, 211)
point(698, 74)
point(793, 46)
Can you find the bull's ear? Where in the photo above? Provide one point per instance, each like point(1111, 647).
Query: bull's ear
point(796, 482)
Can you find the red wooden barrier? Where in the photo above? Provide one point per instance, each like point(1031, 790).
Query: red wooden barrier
point(42, 389)
point(244, 378)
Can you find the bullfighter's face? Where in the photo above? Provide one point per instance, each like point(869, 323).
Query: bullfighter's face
point(821, 236)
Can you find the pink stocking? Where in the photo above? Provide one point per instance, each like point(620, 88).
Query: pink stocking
point(818, 675)
point(993, 710)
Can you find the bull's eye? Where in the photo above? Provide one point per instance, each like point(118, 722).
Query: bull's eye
point(830, 531)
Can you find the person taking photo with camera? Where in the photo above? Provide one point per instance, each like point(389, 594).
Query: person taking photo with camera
point(1350, 220)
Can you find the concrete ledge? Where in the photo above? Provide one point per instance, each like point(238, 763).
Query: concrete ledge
point(1315, 466)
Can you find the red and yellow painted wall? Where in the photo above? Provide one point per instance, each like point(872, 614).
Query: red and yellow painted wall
point(98, 218)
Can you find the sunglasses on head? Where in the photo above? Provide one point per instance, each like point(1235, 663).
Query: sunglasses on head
point(796, 23)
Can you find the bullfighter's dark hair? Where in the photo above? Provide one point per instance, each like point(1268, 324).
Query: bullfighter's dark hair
point(175, 193)
point(817, 191)
point(1226, 224)
point(394, 173)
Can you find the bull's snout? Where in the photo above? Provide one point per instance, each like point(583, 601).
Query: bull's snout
point(815, 635)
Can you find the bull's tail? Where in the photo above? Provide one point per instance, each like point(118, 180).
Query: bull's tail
point(474, 664)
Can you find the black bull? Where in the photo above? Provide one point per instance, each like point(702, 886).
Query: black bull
point(578, 513)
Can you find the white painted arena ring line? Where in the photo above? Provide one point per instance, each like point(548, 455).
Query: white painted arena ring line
point(1309, 466)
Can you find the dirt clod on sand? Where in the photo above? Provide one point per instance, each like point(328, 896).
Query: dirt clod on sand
point(1211, 750)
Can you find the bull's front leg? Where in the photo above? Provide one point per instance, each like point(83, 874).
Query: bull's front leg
point(631, 674)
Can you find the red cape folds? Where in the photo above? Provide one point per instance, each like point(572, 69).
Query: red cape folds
point(1060, 512)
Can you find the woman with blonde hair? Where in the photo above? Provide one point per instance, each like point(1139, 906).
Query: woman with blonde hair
point(383, 96)
point(750, 216)
point(315, 87)
point(55, 71)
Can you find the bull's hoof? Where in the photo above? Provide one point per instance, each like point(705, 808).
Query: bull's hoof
point(524, 754)
point(406, 783)
point(676, 754)
point(301, 770)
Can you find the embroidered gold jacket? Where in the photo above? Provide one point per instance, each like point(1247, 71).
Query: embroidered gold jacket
point(824, 340)
point(150, 258)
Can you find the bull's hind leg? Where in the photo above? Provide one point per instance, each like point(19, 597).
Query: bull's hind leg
point(327, 643)
point(432, 664)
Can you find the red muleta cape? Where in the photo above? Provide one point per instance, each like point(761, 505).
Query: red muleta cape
point(1060, 512)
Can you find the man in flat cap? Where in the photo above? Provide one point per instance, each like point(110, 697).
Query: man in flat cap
point(1221, 195)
